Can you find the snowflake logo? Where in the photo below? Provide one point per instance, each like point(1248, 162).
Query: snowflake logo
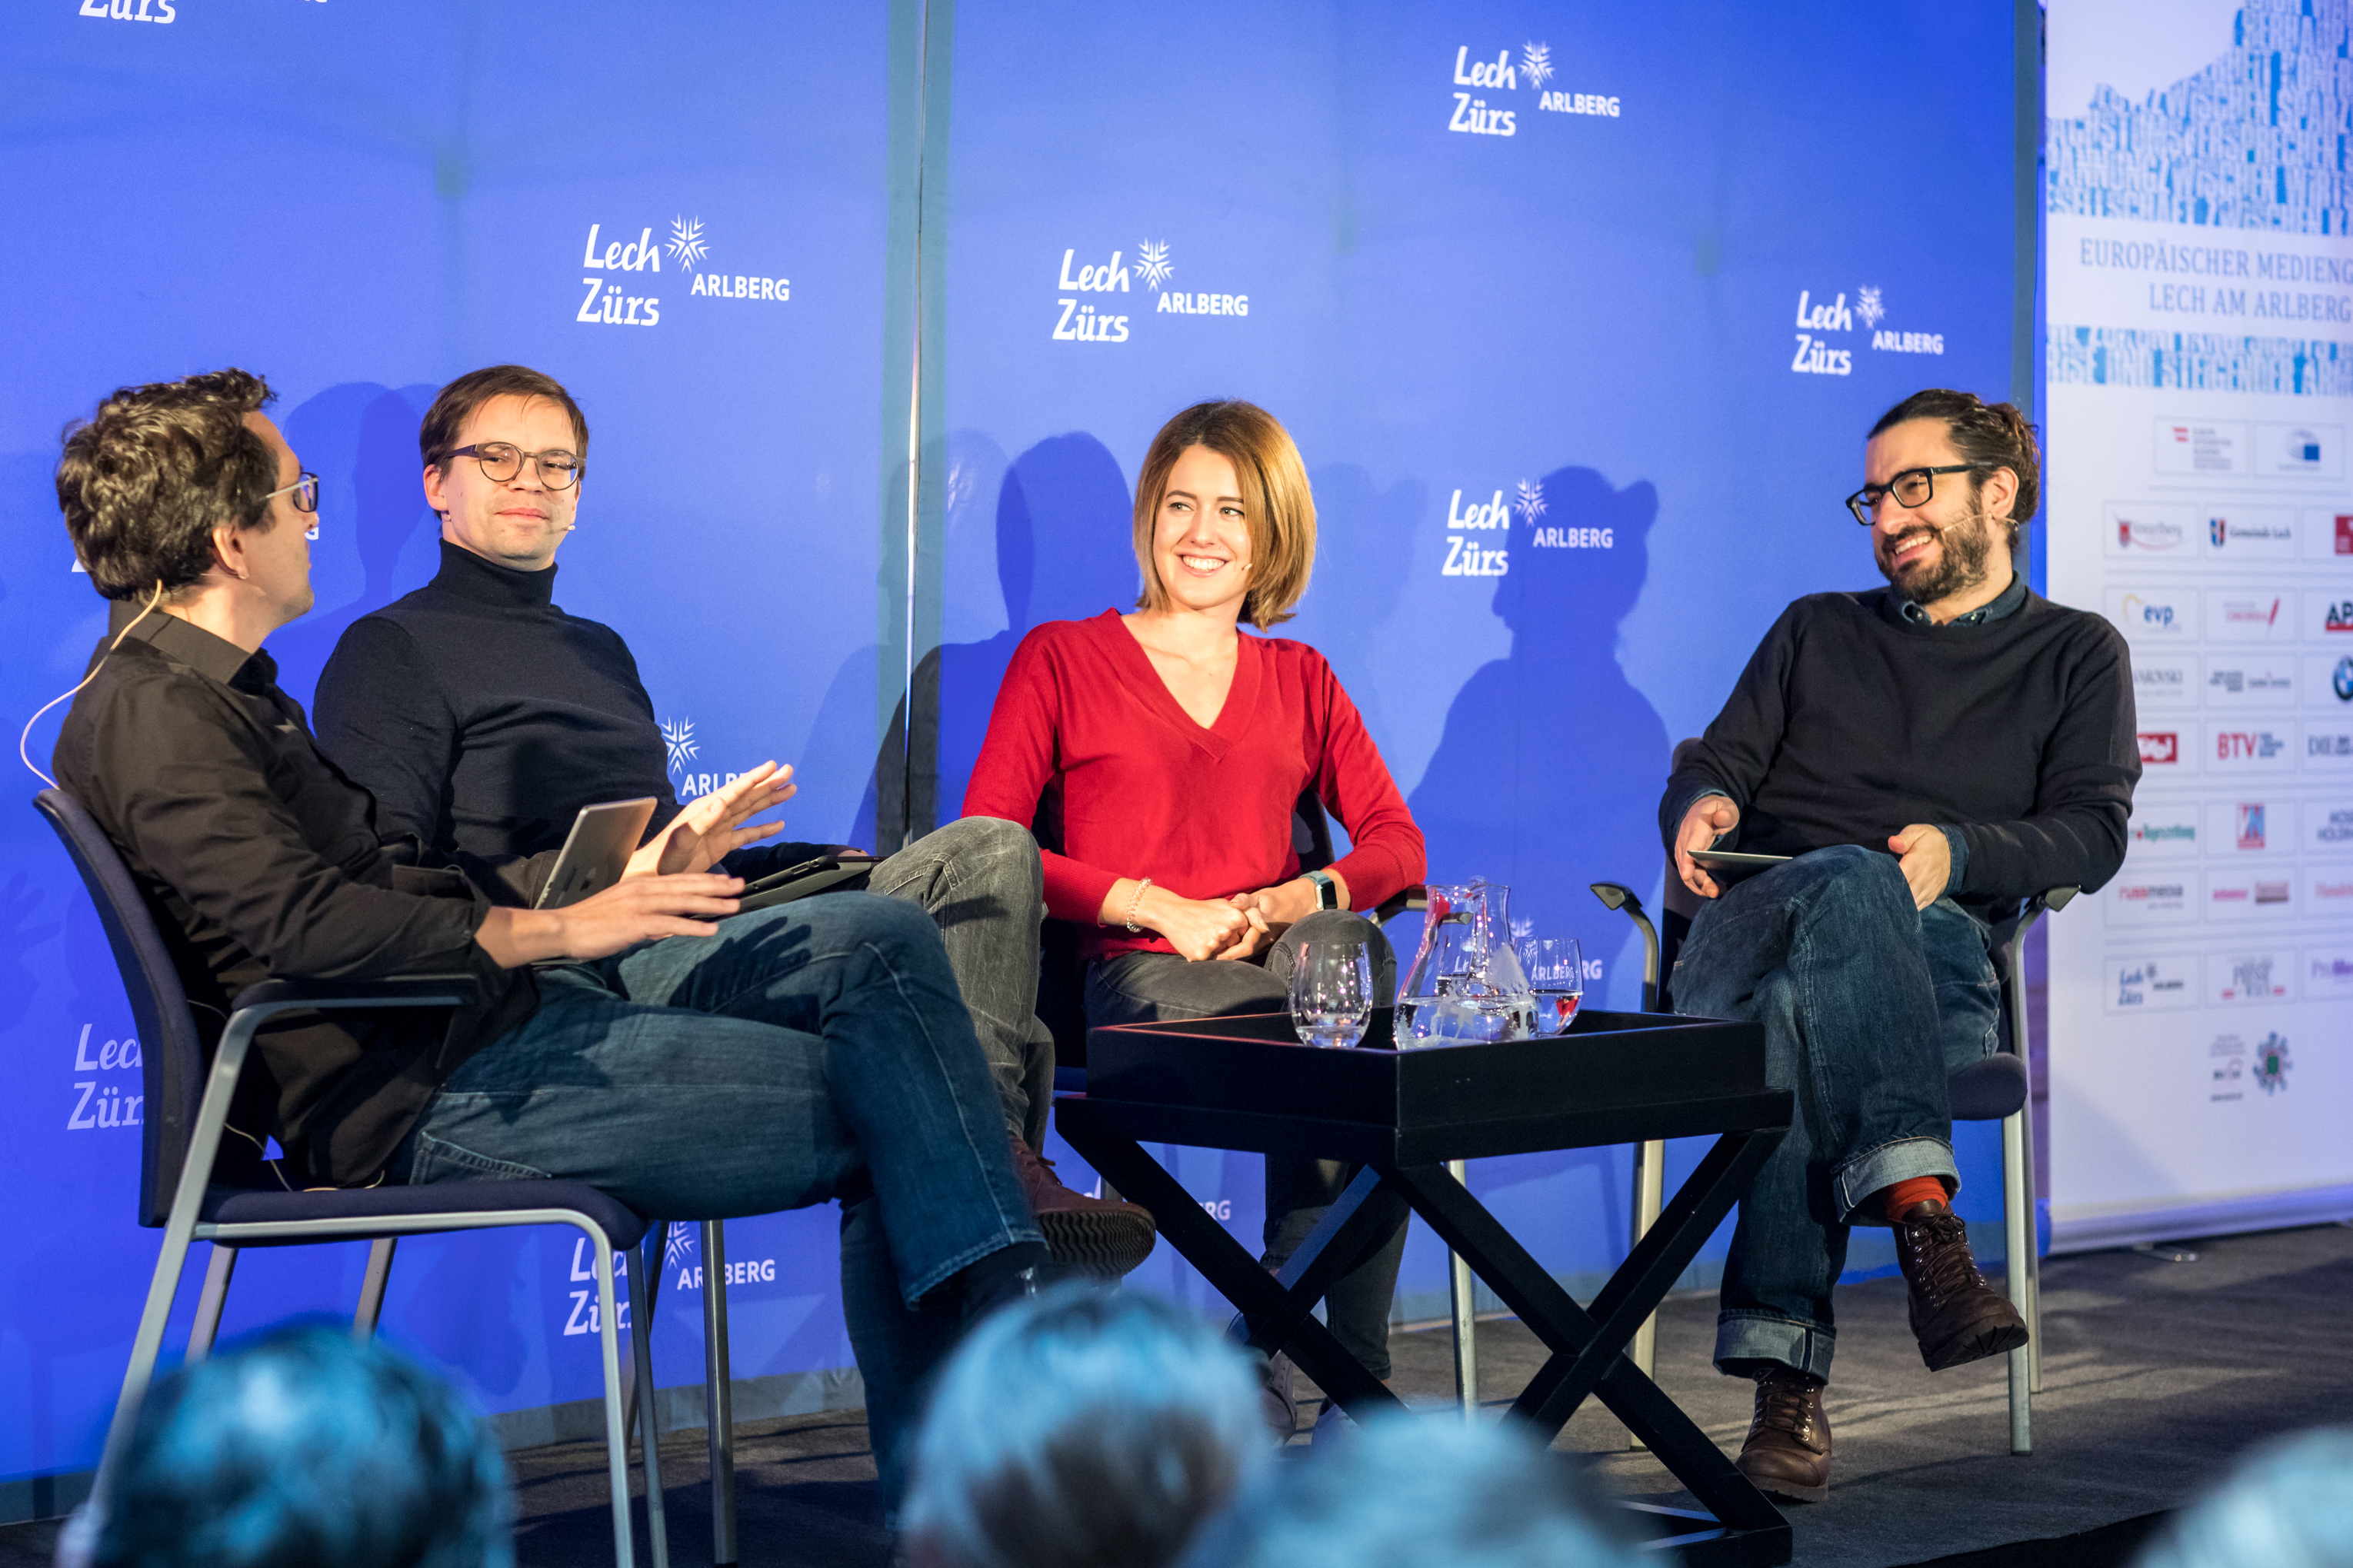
point(678, 739)
point(1531, 504)
point(1535, 63)
point(1869, 305)
point(686, 243)
point(681, 1245)
point(1151, 255)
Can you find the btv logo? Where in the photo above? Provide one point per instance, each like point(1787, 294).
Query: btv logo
point(2160, 746)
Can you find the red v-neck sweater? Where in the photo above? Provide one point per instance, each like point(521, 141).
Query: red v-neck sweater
point(1086, 739)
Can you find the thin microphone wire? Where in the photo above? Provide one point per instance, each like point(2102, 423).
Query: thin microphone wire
point(25, 740)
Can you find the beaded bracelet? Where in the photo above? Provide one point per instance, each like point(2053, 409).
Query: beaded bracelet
point(1134, 899)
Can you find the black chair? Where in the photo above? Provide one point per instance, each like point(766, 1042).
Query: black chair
point(1995, 1089)
point(189, 1086)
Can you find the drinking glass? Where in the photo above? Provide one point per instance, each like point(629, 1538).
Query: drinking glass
point(1332, 991)
point(1556, 969)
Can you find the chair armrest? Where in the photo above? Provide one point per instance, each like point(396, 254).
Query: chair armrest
point(1416, 898)
point(402, 991)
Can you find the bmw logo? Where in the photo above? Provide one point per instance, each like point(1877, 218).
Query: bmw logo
point(2342, 680)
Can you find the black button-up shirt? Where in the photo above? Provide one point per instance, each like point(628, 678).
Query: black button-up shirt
point(264, 860)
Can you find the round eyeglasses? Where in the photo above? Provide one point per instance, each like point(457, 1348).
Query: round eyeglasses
point(1911, 489)
point(499, 461)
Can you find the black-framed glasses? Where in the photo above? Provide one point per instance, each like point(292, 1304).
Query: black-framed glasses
point(499, 461)
point(1912, 488)
point(304, 490)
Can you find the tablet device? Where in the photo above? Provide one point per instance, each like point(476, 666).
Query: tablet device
point(595, 852)
point(845, 872)
point(1728, 866)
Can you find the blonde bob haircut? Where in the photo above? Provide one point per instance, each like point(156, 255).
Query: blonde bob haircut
point(1277, 506)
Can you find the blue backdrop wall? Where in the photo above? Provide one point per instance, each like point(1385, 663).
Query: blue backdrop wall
point(1572, 308)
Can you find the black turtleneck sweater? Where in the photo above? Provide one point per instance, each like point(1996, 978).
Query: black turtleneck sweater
point(1852, 722)
point(483, 717)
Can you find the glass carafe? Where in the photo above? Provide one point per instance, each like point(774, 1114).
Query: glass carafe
point(1466, 983)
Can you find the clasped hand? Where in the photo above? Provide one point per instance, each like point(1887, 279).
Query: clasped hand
point(1922, 852)
point(1236, 927)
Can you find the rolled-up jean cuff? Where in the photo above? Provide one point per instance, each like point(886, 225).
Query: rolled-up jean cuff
point(1805, 1346)
point(1881, 1168)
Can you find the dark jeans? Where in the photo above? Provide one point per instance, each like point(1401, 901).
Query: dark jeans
point(1143, 987)
point(815, 1052)
point(1867, 1004)
point(978, 878)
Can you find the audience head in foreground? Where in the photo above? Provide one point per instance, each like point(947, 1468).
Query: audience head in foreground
point(1422, 1492)
point(2288, 1505)
point(302, 1448)
point(1081, 1429)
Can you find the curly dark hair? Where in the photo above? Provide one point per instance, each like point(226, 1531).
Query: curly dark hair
point(1993, 433)
point(144, 483)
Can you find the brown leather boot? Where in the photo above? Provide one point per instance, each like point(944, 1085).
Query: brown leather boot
point(1955, 1316)
point(1788, 1450)
point(1103, 1236)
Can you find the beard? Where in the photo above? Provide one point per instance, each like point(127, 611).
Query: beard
point(1960, 564)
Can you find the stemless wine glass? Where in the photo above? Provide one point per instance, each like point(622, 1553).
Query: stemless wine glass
point(1556, 969)
point(1332, 991)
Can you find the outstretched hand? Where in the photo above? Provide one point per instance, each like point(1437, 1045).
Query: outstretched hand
point(713, 826)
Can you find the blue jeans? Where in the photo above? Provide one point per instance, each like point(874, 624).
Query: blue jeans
point(814, 1051)
point(1868, 1005)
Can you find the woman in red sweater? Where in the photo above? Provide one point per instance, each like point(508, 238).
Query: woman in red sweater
point(1160, 753)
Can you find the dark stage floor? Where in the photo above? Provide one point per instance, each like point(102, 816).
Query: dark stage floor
point(2156, 1373)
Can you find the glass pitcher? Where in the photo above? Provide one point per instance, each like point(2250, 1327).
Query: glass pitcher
point(1466, 983)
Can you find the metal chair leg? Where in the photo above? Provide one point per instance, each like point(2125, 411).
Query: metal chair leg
point(648, 1411)
point(650, 1255)
point(209, 1302)
point(718, 1392)
point(1463, 1288)
point(372, 1286)
point(2019, 1249)
point(1649, 1196)
point(617, 1435)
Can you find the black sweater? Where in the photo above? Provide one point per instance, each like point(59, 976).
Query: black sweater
point(483, 717)
point(1851, 723)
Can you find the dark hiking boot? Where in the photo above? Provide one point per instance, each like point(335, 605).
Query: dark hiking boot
point(1103, 1236)
point(1788, 1450)
point(1955, 1316)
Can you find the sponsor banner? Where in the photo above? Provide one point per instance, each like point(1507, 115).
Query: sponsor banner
point(2327, 745)
point(2239, 976)
point(2162, 682)
point(2236, 829)
point(2328, 616)
point(2249, 746)
point(2162, 830)
point(2144, 896)
point(2153, 614)
point(2248, 893)
point(2327, 824)
point(2175, 277)
point(2167, 752)
point(2329, 890)
point(2245, 615)
point(2327, 534)
point(2164, 531)
point(2254, 534)
point(2328, 682)
point(2141, 984)
point(2237, 680)
point(2326, 971)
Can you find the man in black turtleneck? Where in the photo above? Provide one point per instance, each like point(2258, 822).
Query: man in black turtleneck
point(1927, 754)
point(482, 717)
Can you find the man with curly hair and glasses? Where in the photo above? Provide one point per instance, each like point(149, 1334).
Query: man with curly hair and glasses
point(1927, 754)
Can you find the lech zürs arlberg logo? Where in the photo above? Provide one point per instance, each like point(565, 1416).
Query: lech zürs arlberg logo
point(1535, 64)
point(1531, 504)
point(686, 245)
point(1152, 263)
point(1869, 305)
point(678, 742)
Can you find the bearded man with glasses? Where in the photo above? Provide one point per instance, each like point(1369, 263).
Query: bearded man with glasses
point(1928, 755)
point(482, 717)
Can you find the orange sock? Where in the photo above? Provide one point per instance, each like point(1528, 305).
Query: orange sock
point(1910, 1192)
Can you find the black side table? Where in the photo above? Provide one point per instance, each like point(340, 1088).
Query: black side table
point(1245, 1083)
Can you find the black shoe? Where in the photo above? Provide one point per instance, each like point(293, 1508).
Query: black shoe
point(1955, 1316)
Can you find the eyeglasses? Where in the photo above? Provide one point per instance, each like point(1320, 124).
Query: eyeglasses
point(558, 469)
point(1912, 488)
point(304, 490)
